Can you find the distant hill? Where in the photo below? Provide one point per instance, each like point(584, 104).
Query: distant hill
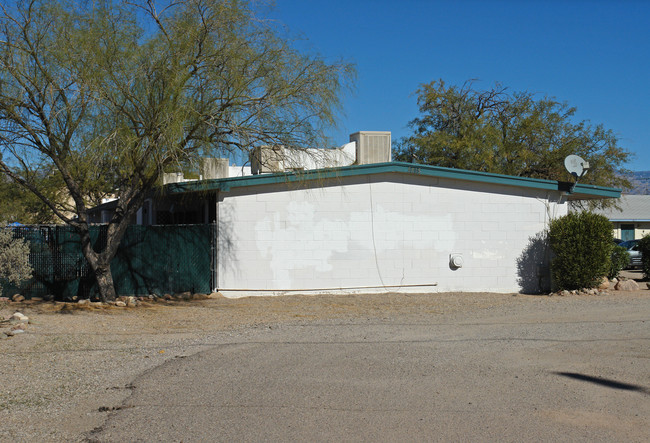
point(640, 182)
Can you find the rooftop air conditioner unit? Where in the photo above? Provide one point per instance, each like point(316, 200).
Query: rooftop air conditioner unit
point(372, 146)
point(266, 159)
point(212, 168)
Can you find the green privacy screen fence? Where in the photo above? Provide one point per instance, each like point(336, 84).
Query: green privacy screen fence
point(150, 260)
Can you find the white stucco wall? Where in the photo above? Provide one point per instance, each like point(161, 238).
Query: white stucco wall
point(377, 233)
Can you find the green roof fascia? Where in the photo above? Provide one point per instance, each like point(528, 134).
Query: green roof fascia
point(225, 184)
point(593, 191)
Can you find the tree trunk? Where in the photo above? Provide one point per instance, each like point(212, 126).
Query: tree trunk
point(100, 263)
point(105, 283)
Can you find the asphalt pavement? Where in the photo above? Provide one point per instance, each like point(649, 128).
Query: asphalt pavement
point(556, 371)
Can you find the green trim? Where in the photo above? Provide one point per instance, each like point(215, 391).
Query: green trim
point(592, 191)
point(629, 220)
point(225, 184)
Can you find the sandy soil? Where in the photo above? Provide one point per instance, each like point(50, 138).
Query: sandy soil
point(75, 363)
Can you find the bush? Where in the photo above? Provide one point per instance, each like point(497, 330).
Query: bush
point(620, 260)
point(582, 243)
point(644, 247)
point(14, 258)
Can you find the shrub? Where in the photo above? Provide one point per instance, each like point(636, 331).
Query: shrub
point(14, 258)
point(582, 243)
point(644, 247)
point(620, 259)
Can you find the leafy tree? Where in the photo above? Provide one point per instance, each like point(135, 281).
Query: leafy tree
point(14, 258)
point(514, 133)
point(105, 95)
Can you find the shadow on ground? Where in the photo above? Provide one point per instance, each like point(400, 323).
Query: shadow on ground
point(605, 382)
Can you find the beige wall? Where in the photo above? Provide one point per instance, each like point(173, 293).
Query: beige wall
point(640, 229)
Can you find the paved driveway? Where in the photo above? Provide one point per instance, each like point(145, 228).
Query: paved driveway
point(523, 372)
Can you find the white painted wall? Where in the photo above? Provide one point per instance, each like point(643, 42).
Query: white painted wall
point(239, 171)
point(377, 231)
point(307, 159)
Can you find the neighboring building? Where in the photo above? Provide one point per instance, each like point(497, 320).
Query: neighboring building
point(373, 227)
point(632, 220)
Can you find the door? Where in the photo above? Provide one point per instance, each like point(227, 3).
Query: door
point(627, 232)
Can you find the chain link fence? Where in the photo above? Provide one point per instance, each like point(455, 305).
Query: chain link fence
point(150, 260)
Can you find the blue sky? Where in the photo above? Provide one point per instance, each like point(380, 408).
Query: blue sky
point(595, 55)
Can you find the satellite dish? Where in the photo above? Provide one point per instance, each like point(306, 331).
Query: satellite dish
point(576, 166)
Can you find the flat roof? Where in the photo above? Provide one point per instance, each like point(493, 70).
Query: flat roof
point(580, 192)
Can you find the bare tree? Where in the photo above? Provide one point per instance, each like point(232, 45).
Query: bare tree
point(105, 95)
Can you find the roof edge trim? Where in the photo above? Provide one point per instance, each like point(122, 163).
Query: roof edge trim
point(225, 184)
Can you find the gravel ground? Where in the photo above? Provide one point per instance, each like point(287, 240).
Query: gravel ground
point(73, 364)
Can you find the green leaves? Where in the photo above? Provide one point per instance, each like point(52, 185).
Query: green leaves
point(514, 133)
point(108, 94)
point(644, 247)
point(582, 243)
point(14, 258)
point(620, 259)
point(102, 96)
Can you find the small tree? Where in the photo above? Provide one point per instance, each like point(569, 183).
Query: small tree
point(644, 247)
point(14, 259)
point(582, 243)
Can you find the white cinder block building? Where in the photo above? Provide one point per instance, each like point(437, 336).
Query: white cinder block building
point(393, 227)
point(372, 226)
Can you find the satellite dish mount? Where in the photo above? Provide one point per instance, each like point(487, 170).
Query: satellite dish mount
point(577, 167)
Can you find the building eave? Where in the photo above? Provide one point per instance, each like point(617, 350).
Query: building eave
point(580, 191)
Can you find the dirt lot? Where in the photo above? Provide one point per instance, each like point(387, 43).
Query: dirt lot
point(73, 364)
